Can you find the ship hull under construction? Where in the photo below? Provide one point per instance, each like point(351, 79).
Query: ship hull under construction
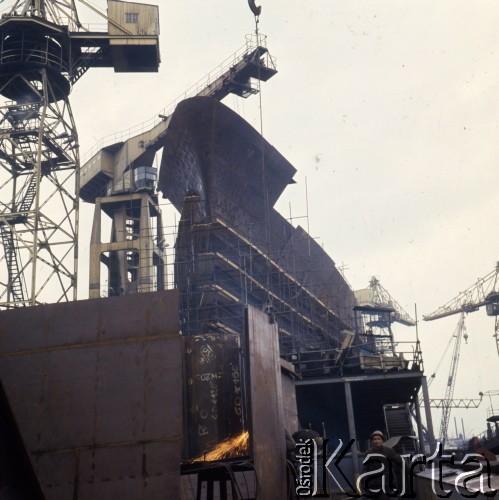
point(128, 397)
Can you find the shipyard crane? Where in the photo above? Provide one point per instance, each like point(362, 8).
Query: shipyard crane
point(120, 180)
point(380, 310)
point(484, 292)
point(44, 51)
point(459, 334)
point(457, 402)
point(448, 402)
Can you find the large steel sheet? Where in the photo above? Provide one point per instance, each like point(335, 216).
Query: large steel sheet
point(267, 415)
point(213, 392)
point(96, 389)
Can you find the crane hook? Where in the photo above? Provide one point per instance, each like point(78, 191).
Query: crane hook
point(256, 10)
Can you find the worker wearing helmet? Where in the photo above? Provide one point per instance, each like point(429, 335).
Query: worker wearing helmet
point(481, 452)
point(382, 468)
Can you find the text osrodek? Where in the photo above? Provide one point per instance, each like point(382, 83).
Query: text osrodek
point(379, 473)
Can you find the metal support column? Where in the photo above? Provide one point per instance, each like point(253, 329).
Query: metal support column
point(420, 425)
point(351, 429)
point(429, 423)
point(135, 255)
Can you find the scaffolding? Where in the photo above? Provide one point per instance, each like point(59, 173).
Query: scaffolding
point(219, 269)
point(232, 249)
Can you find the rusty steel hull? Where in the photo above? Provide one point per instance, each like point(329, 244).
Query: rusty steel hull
point(234, 249)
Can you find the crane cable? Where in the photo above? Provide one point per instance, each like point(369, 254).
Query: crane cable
point(257, 10)
point(477, 365)
point(442, 358)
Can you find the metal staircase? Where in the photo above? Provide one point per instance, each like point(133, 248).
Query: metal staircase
point(89, 57)
point(398, 420)
point(15, 288)
point(29, 195)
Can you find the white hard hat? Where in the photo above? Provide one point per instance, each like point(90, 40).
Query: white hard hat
point(377, 433)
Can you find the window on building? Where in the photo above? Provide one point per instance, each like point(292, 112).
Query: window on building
point(131, 17)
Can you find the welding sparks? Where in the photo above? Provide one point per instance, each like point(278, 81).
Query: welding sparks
point(231, 447)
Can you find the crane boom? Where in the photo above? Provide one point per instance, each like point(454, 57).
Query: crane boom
point(485, 292)
point(481, 293)
point(457, 403)
point(376, 296)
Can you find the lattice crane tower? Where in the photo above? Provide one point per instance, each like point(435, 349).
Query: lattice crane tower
point(44, 50)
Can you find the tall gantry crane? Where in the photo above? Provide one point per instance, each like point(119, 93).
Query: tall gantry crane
point(447, 402)
point(484, 292)
point(120, 179)
point(44, 51)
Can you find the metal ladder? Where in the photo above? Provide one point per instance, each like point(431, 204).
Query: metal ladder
point(29, 195)
point(15, 286)
point(85, 62)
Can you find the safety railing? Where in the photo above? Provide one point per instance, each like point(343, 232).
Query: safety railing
point(364, 358)
point(33, 50)
point(252, 42)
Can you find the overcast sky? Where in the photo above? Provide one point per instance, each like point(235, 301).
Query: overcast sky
point(389, 109)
